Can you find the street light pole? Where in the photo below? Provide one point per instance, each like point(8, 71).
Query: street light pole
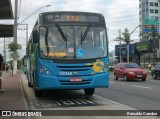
point(130, 41)
point(35, 12)
point(27, 24)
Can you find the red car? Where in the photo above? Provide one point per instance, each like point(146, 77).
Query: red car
point(129, 71)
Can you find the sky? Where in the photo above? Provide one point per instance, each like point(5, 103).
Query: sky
point(119, 14)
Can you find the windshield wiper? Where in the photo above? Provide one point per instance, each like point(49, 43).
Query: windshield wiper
point(46, 40)
point(85, 33)
point(61, 32)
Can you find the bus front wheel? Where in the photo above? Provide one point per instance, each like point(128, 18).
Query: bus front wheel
point(89, 91)
point(29, 84)
point(37, 93)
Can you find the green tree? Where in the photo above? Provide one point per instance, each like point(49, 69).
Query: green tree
point(12, 48)
point(127, 40)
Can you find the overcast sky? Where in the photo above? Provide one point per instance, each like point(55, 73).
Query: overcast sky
point(119, 14)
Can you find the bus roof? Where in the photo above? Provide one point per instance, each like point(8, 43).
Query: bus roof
point(75, 12)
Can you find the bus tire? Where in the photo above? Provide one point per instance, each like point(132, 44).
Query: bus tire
point(37, 93)
point(29, 84)
point(89, 91)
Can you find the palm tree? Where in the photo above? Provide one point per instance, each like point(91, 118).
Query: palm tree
point(127, 40)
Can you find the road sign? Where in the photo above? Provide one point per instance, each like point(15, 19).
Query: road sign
point(157, 30)
point(149, 30)
point(150, 26)
point(151, 21)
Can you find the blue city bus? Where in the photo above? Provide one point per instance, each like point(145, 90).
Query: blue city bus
point(68, 51)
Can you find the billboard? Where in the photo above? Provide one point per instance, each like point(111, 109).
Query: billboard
point(142, 46)
point(124, 49)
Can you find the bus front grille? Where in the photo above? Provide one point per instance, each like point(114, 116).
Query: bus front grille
point(74, 68)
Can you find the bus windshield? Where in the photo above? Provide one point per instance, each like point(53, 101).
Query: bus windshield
point(73, 42)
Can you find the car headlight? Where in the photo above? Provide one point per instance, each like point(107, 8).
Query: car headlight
point(44, 70)
point(130, 72)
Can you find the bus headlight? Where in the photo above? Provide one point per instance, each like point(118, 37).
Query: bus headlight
point(44, 70)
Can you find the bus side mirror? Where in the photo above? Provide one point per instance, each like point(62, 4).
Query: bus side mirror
point(35, 36)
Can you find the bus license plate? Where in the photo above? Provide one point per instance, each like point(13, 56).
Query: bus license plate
point(139, 76)
point(75, 79)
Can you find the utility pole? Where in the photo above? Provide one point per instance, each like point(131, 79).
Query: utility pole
point(15, 38)
point(4, 52)
point(26, 32)
point(119, 39)
point(120, 56)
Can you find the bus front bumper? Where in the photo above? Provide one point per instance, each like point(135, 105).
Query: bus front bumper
point(46, 82)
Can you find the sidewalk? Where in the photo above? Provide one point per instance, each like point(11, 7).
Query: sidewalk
point(13, 98)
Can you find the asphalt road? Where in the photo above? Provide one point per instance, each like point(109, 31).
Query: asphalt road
point(140, 95)
point(61, 103)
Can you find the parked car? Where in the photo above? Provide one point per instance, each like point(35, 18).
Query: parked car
point(129, 71)
point(155, 71)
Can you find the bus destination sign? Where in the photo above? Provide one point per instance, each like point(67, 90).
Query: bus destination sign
point(57, 17)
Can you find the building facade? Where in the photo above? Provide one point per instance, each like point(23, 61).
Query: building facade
point(149, 14)
point(149, 20)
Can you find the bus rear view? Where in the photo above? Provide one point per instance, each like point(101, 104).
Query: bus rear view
point(68, 50)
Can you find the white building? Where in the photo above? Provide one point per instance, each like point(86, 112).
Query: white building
point(148, 9)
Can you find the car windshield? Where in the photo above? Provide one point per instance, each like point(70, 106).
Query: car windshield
point(131, 65)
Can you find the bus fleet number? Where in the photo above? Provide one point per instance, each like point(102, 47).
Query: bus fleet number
point(65, 73)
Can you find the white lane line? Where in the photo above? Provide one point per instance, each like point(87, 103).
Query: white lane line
point(114, 102)
point(141, 87)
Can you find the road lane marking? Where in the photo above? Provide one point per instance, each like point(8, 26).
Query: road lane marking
point(141, 87)
point(114, 102)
